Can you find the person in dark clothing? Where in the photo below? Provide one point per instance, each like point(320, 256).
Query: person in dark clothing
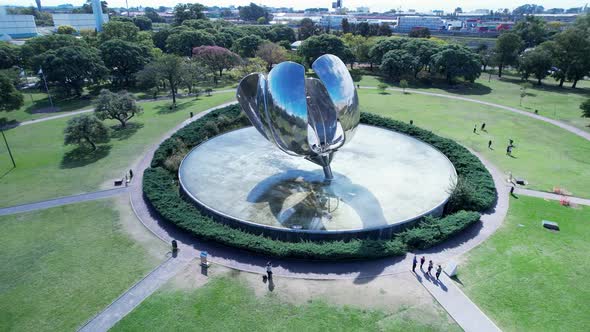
point(490, 144)
point(430, 266)
point(411, 122)
point(130, 174)
point(475, 129)
point(422, 261)
point(269, 270)
point(438, 271)
point(414, 263)
point(483, 126)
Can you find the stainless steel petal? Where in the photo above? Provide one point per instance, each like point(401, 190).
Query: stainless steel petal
point(287, 107)
point(250, 95)
point(321, 113)
point(333, 73)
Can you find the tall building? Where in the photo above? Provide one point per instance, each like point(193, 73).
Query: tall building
point(17, 26)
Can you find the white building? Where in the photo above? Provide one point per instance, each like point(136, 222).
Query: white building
point(407, 23)
point(78, 21)
point(17, 26)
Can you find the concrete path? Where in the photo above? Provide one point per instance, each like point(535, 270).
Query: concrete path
point(571, 129)
point(63, 201)
point(125, 303)
point(551, 196)
point(466, 313)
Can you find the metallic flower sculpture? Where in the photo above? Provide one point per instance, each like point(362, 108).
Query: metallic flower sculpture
point(306, 117)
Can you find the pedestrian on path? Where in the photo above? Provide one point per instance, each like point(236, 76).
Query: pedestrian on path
point(509, 150)
point(475, 129)
point(483, 126)
point(414, 263)
point(269, 270)
point(130, 174)
point(438, 271)
point(422, 261)
point(430, 266)
point(490, 144)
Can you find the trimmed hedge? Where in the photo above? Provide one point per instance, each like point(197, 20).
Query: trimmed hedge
point(161, 188)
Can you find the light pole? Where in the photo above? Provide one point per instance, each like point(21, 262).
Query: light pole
point(46, 88)
point(8, 148)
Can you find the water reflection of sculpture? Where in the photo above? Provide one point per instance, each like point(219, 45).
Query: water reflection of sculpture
point(306, 117)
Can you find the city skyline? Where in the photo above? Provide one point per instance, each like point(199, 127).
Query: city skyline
point(374, 5)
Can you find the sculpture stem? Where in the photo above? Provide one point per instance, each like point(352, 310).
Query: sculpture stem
point(328, 174)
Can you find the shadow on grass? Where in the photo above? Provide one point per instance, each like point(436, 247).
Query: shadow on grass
point(6, 173)
point(477, 89)
point(82, 156)
point(551, 86)
point(8, 124)
point(65, 105)
point(123, 133)
point(167, 109)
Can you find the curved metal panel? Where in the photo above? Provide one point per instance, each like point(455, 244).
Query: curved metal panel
point(251, 96)
point(333, 73)
point(321, 114)
point(287, 107)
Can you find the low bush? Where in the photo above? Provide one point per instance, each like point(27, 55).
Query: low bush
point(475, 192)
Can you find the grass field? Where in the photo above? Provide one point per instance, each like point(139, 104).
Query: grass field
point(60, 266)
point(545, 155)
point(226, 304)
point(550, 101)
point(48, 169)
point(527, 278)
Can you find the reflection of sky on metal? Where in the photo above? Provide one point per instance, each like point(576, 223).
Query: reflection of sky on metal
point(286, 84)
point(250, 95)
point(321, 112)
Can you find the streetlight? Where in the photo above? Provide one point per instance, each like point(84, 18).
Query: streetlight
point(46, 88)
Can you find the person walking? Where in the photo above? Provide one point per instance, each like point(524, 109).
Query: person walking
point(490, 144)
point(130, 174)
point(414, 263)
point(430, 266)
point(422, 261)
point(509, 150)
point(483, 126)
point(269, 270)
point(438, 271)
point(475, 129)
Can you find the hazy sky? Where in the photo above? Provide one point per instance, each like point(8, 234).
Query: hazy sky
point(374, 5)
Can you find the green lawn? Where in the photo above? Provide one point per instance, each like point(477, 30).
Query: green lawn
point(61, 266)
point(546, 156)
point(37, 106)
point(47, 169)
point(226, 304)
point(550, 101)
point(527, 278)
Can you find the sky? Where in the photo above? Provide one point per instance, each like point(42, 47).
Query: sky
point(374, 5)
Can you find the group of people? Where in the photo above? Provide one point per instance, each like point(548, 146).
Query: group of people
point(430, 266)
point(508, 148)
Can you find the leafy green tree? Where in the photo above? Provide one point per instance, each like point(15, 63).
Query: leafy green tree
point(308, 28)
point(272, 54)
point(524, 87)
point(536, 62)
point(359, 46)
point(508, 47)
point(404, 85)
point(66, 30)
point(397, 63)
point(10, 97)
point(144, 23)
point(183, 43)
point(253, 12)
point(216, 58)
point(247, 46)
point(188, 11)
point(421, 32)
point(384, 30)
point(316, 46)
point(385, 45)
point(570, 50)
point(159, 38)
point(457, 61)
point(119, 106)
point(193, 72)
point(71, 67)
point(152, 14)
point(85, 129)
point(282, 32)
point(119, 30)
point(39, 45)
point(382, 87)
point(423, 49)
point(123, 59)
point(167, 68)
point(9, 55)
point(585, 107)
point(532, 30)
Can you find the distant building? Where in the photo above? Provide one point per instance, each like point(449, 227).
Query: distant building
point(334, 22)
point(364, 10)
point(407, 23)
point(17, 26)
point(78, 21)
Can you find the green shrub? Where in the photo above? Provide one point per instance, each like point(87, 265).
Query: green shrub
point(475, 192)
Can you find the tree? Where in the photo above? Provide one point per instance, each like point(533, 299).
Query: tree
point(523, 91)
point(10, 97)
point(396, 63)
point(66, 30)
point(308, 28)
point(71, 67)
point(359, 46)
point(152, 14)
point(168, 68)
point(486, 55)
point(87, 8)
point(85, 129)
point(253, 12)
point(382, 87)
point(119, 106)
point(9, 55)
point(183, 43)
point(585, 107)
point(384, 30)
point(536, 62)
point(119, 30)
point(144, 23)
point(39, 45)
point(570, 50)
point(282, 32)
point(507, 48)
point(420, 32)
point(188, 11)
point(316, 46)
point(528, 9)
point(247, 46)
point(192, 73)
point(216, 58)
point(457, 61)
point(124, 59)
point(404, 85)
point(271, 54)
point(423, 49)
point(385, 45)
point(345, 26)
point(532, 30)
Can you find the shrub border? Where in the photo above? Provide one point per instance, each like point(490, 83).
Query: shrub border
point(162, 192)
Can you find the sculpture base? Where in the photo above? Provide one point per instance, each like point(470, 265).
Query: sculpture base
point(382, 180)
